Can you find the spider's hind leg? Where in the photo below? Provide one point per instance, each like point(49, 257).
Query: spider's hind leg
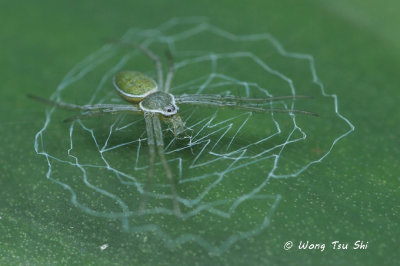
point(171, 70)
point(152, 56)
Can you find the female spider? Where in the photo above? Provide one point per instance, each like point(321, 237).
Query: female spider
point(153, 100)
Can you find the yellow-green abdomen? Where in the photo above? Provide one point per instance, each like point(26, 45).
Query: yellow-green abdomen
point(134, 86)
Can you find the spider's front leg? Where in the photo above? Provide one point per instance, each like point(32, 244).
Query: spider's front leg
point(152, 155)
point(176, 123)
point(168, 173)
point(155, 141)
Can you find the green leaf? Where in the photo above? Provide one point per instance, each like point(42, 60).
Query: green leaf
point(248, 189)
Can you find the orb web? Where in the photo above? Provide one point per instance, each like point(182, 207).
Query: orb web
point(225, 160)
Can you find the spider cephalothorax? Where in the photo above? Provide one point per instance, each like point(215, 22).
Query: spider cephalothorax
point(159, 102)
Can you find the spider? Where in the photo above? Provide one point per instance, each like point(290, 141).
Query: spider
point(152, 99)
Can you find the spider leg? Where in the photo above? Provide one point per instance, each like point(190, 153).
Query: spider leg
point(229, 98)
point(152, 154)
point(160, 148)
point(171, 70)
point(242, 106)
point(63, 105)
point(100, 112)
point(92, 108)
point(84, 116)
point(176, 122)
point(150, 55)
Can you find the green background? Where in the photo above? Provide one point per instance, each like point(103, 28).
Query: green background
point(353, 195)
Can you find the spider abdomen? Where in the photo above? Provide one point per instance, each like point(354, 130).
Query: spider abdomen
point(134, 86)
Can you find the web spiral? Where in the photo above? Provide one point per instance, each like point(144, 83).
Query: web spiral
point(225, 159)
